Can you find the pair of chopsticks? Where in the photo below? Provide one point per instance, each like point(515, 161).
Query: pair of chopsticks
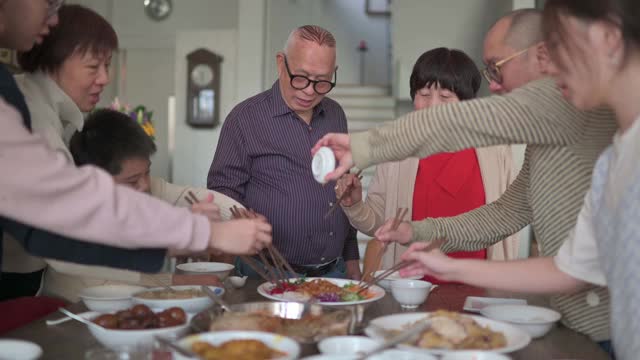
point(397, 220)
point(436, 244)
point(191, 198)
point(344, 194)
point(275, 273)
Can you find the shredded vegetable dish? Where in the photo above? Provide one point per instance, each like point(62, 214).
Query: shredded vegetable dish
point(321, 290)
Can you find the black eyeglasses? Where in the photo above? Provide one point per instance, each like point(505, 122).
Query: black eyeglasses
point(54, 6)
point(301, 82)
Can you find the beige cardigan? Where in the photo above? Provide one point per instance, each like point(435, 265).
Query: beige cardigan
point(56, 117)
point(392, 188)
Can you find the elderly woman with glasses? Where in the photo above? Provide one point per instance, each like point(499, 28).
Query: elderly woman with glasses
point(440, 185)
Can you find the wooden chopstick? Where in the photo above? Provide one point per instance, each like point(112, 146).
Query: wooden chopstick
point(193, 196)
point(433, 245)
point(344, 194)
point(274, 273)
point(397, 220)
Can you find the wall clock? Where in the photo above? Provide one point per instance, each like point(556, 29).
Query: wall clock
point(158, 9)
point(203, 88)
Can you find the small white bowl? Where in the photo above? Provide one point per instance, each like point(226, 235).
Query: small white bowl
point(116, 339)
point(392, 354)
point(386, 282)
point(410, 293)
point(221, 270)
point(474, 355)
point(238, 281)
point(192, 305)
point(535, 320)
point(274, 341)
point(11, 349)
point(109, 298)
point(324, 162)
point(345, 345)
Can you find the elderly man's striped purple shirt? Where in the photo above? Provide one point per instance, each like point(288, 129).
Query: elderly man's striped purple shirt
point(263, 160)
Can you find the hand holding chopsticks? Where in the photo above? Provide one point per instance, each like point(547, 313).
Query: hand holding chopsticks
point(205, 207)
point(415, 253)
point(274, 269)
point(347, 186)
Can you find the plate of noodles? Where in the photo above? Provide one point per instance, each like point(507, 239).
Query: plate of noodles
point(323, 291)
point(451, 332)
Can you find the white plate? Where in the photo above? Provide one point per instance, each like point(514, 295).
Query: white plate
point(11, 349)
point(477, 303)
point(516, 338)
point(274, 341)
point(377, 291)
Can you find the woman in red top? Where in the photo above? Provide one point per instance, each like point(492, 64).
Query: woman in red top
point(440, 185)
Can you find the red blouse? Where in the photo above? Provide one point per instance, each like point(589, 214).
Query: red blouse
point(449, 184)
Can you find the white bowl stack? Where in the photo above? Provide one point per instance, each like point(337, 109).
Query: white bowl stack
point(109, 298)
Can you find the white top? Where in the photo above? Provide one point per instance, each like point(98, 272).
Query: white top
point(578, 256)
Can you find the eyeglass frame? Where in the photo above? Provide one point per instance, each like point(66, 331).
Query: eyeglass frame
point(309, 81)
point(54, 6)
point(497, 65)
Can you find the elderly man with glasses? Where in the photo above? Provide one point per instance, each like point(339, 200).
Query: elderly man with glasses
point(548, 193)
point(263, 159)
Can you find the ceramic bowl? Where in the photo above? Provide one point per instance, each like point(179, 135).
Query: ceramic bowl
point(191, 305)
point(323, 163)
point(474, 355)
point(535, 320)
point(386, 283)
point(117, 339)
point(238, 281)
point(11, 349)
point(221, 270)
point(410, 293)
point(344, 345)
point(109, 298)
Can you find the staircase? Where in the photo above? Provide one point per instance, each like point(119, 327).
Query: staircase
point(366, 107)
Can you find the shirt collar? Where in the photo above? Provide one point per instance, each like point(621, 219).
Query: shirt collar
point(280, 107)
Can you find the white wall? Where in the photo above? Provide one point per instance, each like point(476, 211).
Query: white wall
point(195, 147)
point(348, 22)
point(420, 25)
point(147, 55)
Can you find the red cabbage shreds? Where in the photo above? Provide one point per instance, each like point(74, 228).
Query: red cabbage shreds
point(328, 297)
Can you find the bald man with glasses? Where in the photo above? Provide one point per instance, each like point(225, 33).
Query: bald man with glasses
point(563, 145)
point(263, 159)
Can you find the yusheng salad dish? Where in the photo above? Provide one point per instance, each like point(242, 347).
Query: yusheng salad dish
point(319, 289)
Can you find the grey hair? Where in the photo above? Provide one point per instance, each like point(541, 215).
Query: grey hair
point(313, 33)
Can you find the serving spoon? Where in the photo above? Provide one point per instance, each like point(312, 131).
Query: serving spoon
point(217, 299)
point(81, 319)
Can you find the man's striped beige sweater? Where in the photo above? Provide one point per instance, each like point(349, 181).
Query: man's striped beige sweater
point(563, 144)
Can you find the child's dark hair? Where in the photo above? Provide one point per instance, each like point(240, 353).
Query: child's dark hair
point(108, 138)
point(451, 69)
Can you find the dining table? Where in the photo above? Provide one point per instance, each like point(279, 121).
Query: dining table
point(71, 340)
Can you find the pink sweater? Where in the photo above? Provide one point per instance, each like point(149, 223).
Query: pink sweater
point(41, 188)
